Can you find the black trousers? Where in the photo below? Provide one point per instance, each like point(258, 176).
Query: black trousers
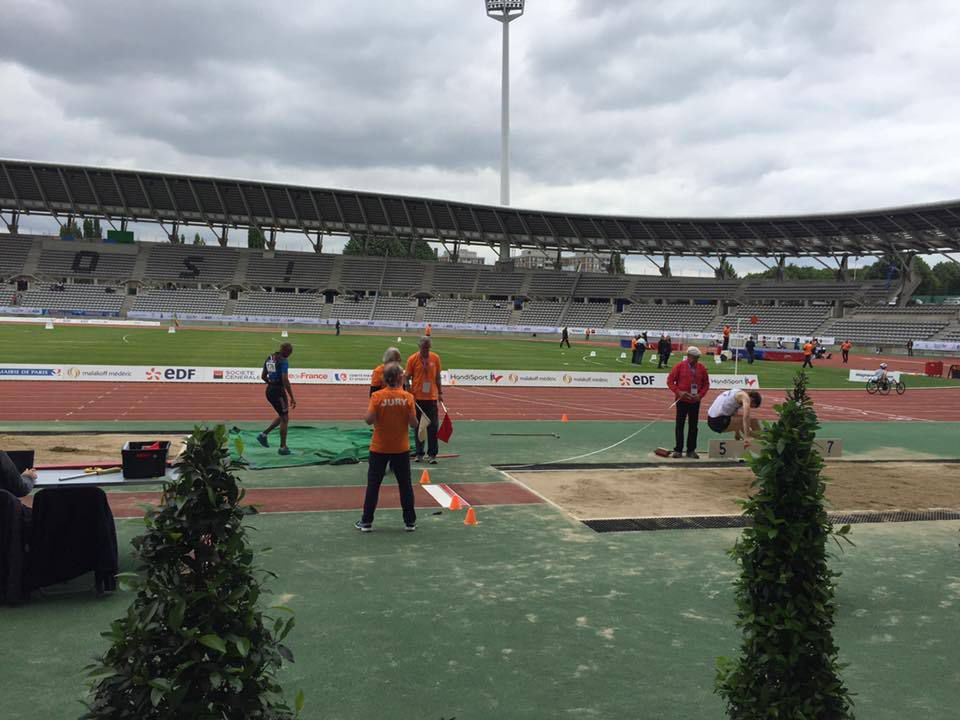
point(565, 340)
point(663, 360)
point(807, 361)
point(430, 408)
point(689, 412)
point(376, 469)
point(750, 357)
point(634, 358)
point(846, 356)
point(726, 342)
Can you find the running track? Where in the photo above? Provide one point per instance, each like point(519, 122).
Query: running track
point(98, 402)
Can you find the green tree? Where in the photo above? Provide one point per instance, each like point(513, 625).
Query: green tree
point(87, 228)
point(725, 270)
point(71, 229)
point(795, 272)
point(97, 230)
point(948, 277)
point(389, 247)
point(194, 643)
point(615, 266)
point(788, 666)
point(255, 238)
point(197, 240)
point(929, 283)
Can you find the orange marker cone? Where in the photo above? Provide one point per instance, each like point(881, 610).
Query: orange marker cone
point(471, 518)
point(425, 478)
point(564, 418)
point(455, 503)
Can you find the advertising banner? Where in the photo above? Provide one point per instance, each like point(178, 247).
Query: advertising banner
point(335, 376)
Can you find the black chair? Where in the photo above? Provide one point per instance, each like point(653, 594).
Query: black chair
point(73, 534)
point(14, 526)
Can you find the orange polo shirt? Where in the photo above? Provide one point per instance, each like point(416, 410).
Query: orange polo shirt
point(633, 343)
point(425, 375)
point(376, 379)
point(391, 430)
point(808, 349)
point(429, 331)
point(846, 346)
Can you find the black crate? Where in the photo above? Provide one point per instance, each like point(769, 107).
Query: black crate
point(139, 463)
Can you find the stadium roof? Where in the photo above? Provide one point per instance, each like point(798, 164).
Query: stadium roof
point(58, 190)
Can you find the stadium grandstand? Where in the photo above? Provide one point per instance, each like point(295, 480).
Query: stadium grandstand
point(226, 283)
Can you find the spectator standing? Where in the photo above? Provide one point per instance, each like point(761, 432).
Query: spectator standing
point(763, 341)
point(689, 382)
point(392, 413)
point(796, 343)
point(909, 348)
point(780, 344)
point(337, 326)
point(663, 351)
point(751, 347)
point(808, 355)
point(565, 338)
point(423, 375)
point(845, 350)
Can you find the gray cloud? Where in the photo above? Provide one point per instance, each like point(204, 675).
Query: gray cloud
point(660, 108)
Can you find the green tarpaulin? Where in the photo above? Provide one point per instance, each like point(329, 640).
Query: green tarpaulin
point(308, 446)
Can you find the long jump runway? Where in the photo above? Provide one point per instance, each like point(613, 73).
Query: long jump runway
point(98, 402)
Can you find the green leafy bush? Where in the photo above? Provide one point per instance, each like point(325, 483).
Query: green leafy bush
point(788, 666)
point(194, 644)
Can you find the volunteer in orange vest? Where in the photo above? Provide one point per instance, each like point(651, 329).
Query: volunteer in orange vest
point(807, 354)
point(845, 350)
point(633, 350)
point(391, 412)
point(392, 355)
point(429, 331)
point(423, 376)
point(689, 382)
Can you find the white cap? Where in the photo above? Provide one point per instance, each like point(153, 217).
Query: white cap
point(883, 365)
point(693, 350)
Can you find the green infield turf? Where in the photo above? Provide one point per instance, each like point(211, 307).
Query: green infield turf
point(248, 348)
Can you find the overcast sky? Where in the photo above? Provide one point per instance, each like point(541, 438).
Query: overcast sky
point(673, 107)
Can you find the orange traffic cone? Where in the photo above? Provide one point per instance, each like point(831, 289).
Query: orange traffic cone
point(471, 518)
point(455, 503)
point(425, 478)
point(564, 418)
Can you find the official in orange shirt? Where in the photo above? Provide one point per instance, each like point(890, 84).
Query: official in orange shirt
point(391, 412)
point(392, 355)
point(429, 330)
point(807, 355)
point(423, 376)
point(845, 350)
point(726, 337)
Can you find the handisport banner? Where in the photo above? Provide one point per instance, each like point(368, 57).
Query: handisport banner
point(340, 376)
point(861, 376)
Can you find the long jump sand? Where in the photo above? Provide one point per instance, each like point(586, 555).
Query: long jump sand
point(688, 490)
point(69, 449)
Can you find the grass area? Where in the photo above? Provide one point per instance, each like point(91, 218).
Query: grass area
point(528, 616)
point(208, 347)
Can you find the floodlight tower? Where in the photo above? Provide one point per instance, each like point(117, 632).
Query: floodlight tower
point(505, 12)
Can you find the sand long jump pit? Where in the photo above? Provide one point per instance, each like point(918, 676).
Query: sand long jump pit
point(77, 448)
point(694, 495)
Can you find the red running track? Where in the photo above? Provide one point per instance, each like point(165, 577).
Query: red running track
point(98, 402)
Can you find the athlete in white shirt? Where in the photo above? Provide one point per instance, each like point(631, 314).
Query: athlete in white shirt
point(881, 375)
point(725, 414)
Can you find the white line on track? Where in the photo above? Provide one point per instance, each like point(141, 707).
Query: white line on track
point(868, 413)
point(590, 408)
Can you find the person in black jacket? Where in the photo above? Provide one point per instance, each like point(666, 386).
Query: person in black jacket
point(751, 348)
point(663, 351)
point(13, 481)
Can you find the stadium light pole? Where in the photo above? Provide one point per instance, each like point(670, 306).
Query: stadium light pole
point(505, 12)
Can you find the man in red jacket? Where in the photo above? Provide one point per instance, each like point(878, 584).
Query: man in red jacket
point(690, 382)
